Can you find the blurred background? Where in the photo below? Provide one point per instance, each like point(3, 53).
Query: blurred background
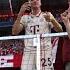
point(9, 10)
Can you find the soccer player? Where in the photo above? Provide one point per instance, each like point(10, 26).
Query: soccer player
point(37, 22)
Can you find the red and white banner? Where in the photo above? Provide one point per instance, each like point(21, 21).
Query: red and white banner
point(10, 60)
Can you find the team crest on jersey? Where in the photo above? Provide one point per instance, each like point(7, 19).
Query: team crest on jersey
point(41, 19)
point(29, 20)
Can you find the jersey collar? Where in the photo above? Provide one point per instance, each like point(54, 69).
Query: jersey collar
point(37, 15)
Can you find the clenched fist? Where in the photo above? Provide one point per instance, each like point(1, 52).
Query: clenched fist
point(48, 16)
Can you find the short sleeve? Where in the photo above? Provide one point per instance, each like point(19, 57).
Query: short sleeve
point(23, 20)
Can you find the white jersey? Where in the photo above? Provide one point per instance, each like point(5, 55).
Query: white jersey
point(38, 25)
point(35, 25)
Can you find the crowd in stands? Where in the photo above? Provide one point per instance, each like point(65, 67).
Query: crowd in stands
point(11, 47)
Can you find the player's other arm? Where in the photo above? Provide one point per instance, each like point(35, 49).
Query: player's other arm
point(56, 25)
point(17, 27)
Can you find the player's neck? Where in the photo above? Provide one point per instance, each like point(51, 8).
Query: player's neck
point(36, 11)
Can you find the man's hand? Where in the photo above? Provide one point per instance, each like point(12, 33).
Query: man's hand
point(65, 17)
point(48, 16)
point(24, 7)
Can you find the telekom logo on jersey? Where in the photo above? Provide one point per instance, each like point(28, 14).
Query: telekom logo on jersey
point(6, 61)
point(34, 29)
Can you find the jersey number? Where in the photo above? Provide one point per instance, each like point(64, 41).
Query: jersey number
point(45, 63)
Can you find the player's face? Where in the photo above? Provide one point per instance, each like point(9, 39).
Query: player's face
point(35, 3)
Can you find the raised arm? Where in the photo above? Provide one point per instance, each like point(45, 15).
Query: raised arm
point(50, 17)
point(17, 27)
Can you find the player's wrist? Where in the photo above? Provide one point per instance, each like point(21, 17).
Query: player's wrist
point(52, 19)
